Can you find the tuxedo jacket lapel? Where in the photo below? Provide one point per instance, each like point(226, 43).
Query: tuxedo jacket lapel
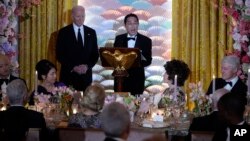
point(138, 41)
point(86, 38)
point(72, 32)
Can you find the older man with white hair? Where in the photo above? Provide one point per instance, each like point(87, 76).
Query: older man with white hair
point(115, 121)
point(230, 80)
point(16, 120)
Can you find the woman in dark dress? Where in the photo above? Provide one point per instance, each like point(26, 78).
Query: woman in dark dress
point(47, 77)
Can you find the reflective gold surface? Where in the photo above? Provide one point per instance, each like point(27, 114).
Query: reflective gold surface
point(119, 60)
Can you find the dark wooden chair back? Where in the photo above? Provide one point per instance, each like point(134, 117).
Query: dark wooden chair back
point(201, 136)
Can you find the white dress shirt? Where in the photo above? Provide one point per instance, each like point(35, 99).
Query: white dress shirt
point(76, 31)
point(234, 80)
point(131, 43)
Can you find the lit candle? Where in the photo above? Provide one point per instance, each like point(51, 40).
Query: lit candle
point(36, 82)
point(248, 82)
point(175, 87)
point(213, 83)
point(74, 111)
point(81, 94)
point(3, 108)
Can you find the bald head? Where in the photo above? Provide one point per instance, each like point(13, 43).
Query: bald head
point(78, 15)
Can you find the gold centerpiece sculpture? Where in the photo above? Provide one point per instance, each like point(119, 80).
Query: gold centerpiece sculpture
point(120, 59)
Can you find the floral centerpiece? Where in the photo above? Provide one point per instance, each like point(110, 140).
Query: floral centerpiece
point(170, 98)
point(238, 13)
point(10, 10)
point(62, 95)
point(128, 101)
point(200, 103)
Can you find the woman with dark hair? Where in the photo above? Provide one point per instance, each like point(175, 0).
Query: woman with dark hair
point(181, 70)
point(46, 73)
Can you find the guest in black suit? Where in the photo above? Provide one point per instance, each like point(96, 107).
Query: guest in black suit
point(231, 109)
point(115, 122)
point(5, 72)
point(134, 83)
point(77, 51)
point(15, 121)
point(230, 80)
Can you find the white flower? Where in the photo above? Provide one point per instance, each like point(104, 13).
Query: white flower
point(14, 41)
point(239, 2)
point(247, 3)
point(171, 97)
point(236, 37)
point(247, 11)
point(244, 38)
point(3, 39)
point(235, 29)
point(237, 46)
point(13, 24)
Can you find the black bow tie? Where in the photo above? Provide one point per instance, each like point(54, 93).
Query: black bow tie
point(4, 80)
point(130, 38)
point(230, 83)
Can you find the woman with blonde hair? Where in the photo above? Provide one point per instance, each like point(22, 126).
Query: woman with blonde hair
point(92, 103)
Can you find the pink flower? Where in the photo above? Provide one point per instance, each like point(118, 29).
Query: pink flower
point(235, 15)
point(36, 2)
point(18, 11)
point(245, 59)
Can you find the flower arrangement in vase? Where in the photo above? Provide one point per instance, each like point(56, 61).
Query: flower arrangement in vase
point(199, 102)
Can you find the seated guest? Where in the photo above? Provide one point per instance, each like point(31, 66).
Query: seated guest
point(92, 103)
point(46, 72)
point(230, 65)
point(181, 69)
point(231, 109)
point(115, 122)
point(209, 122)
point(16, 120)
point(5, 71)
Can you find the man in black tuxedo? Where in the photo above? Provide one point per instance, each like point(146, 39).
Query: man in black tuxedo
point(115, 122)
point(231, 110)
point(5, 73)
point(134, 83)
point(77, 51)
point(16, 120)
point(229, 81)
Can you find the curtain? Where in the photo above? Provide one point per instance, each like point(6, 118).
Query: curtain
point(39, 35)
point(200, 37)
